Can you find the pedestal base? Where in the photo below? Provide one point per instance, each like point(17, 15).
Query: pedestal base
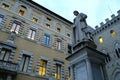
point(86, 63)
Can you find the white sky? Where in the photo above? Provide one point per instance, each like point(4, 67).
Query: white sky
point(96, 10)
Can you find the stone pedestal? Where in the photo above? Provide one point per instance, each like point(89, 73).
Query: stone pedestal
point(86, 62)
point(9, 77)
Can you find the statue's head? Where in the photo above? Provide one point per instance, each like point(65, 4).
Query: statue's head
point(75, 13)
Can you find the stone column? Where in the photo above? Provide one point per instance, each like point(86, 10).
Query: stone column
point(104, 74)
point(72, 72)
point(89, 69)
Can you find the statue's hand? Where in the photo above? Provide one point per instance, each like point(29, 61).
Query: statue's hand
point(84, 29)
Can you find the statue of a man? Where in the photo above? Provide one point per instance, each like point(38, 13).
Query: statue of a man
point(80, 31)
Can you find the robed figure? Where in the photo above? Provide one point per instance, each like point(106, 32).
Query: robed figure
point(81, 31)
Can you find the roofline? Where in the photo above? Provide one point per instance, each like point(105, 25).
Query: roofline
point(38, 5)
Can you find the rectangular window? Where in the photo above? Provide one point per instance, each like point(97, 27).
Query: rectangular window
point(117, 52)
point(69, 74)
point(34, 19)
point(58, 30)
point(46, 40)
point(5, 6)
point(48, 26)
point(42, 69)
point(15, 28)
point(69, 49)
point(58, 44)
point(48, 19)
point(4, 54)
point(68, 34)
point(24, 63)
point(21, 12)
point(58, 72)
point(31, 34)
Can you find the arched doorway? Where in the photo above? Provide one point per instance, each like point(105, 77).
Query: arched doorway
point(117, 76)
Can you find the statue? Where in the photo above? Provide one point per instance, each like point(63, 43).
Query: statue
point(81, 31)
point(12, 36)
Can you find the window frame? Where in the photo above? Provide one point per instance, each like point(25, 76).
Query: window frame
point(21, 12)
point(48, 19)
point(117, 49)
point(59, 44)
point(69, 73)
point(100, 39)
point(69, 46)
point(68, 35)
point(58, 29)
point(58, 71)
point(25, 64)
point(48, 25)
point(31, 34)
point(43, 67)
point(46, 39)
point(112, 33)
point(6, 52)
point(15, 27)
point(34, 19)
point(6, 5)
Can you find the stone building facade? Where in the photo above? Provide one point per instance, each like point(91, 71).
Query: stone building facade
point(35, 41)
point(107, 39)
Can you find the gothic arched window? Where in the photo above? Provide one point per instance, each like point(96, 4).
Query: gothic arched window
point(108, 58)
point(117, 49)
point(112, 32)
point(100, 39)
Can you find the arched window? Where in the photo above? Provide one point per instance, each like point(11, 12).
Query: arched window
point(112, 32)
point(117, 49)
point(22, 10)
point(58, 27)
point(100, 39)
point(108, 58)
